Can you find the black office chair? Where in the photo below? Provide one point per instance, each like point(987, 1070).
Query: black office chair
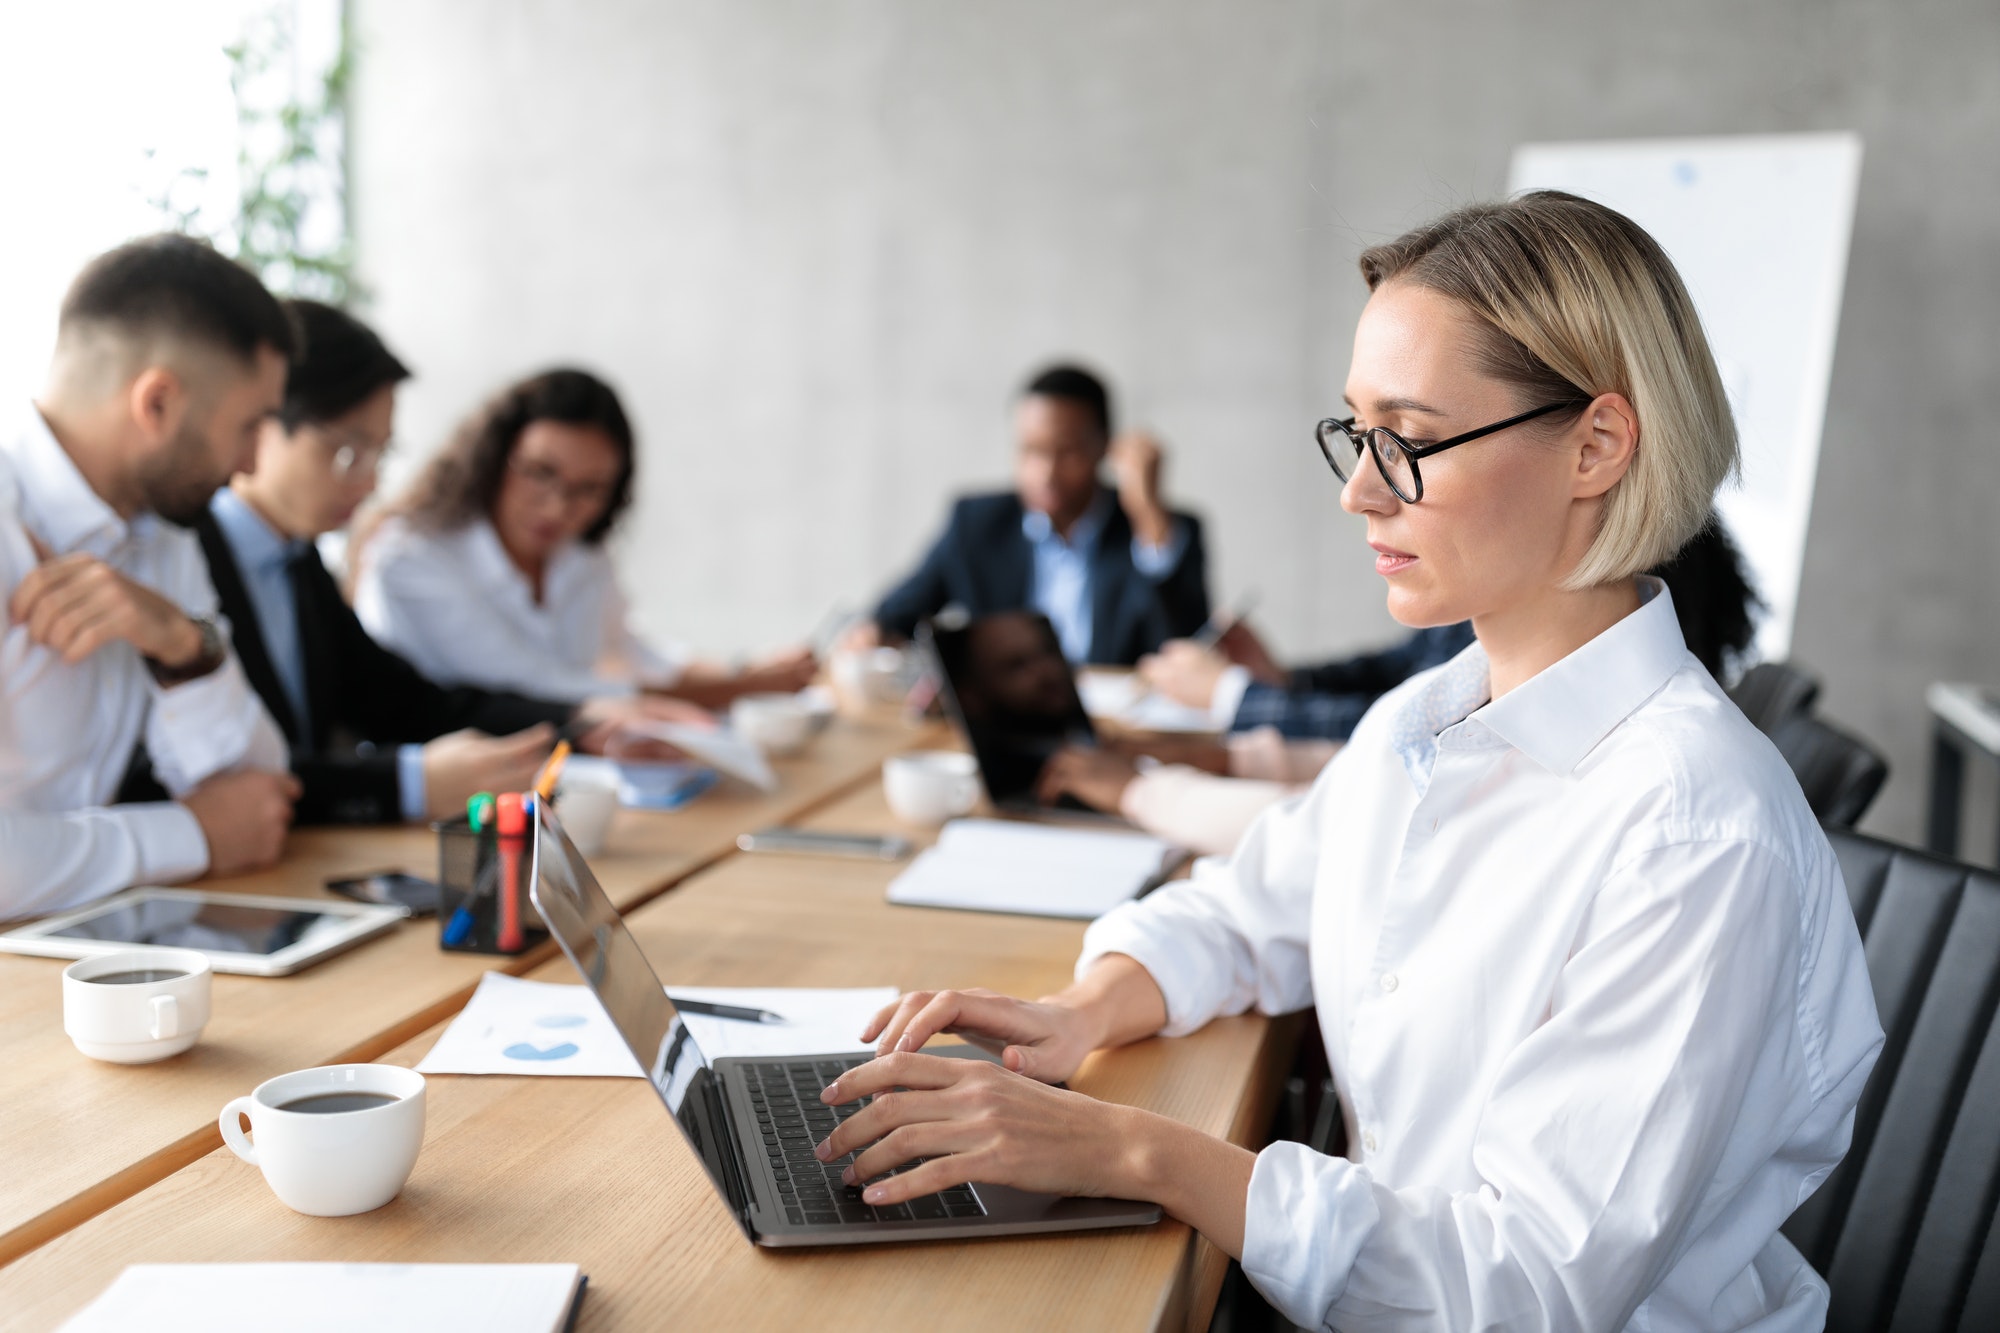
point(1770, 692)
point(1839, 772)
point(1905, 1230)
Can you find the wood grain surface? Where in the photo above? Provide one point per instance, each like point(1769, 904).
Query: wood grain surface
point(82, 1134)
point(591, 1171)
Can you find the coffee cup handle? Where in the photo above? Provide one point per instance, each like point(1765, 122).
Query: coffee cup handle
point(232, 1132)
point(165, 1018)
point(966, 794)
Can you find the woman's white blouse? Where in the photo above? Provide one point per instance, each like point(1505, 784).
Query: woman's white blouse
point(1590, 988)
point(463, 614)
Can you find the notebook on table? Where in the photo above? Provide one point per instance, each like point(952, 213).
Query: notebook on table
point(996, 865)
point(335, 1298)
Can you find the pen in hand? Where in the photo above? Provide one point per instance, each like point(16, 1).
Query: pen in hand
point(735, 1011)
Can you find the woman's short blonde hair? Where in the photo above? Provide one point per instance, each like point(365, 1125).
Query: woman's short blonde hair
point(1576, 300)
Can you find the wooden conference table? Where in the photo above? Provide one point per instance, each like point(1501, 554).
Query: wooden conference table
point(590, 1171)
point(81, 1135)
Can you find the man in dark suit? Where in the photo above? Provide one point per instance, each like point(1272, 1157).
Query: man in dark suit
point(1116, 572)
point(372, 739)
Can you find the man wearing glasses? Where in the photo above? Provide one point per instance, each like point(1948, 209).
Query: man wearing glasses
point(373, 740)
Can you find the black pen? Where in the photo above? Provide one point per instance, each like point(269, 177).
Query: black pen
point(735, 1011)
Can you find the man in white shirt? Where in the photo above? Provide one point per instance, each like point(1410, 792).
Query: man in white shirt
point(168, 359)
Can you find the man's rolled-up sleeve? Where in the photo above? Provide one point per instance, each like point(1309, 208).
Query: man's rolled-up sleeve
point(50, 862)
point(209, 726)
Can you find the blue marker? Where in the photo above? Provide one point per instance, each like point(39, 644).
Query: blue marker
point(478, 812)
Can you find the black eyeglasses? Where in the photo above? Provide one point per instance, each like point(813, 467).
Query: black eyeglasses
point(1395, 456)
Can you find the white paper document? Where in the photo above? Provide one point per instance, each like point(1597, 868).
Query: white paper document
point(513, 1026)
point(644, 784)
point(332, 1298)
point(718, 747)
point(817, 1022)
point(1120, 696)
point(992, 865)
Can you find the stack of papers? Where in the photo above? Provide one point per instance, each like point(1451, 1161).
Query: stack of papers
point(992, 865)
point(1121, 697)
point(718, 747)
point(645, 784)
point(308, 1298)
point(514, 1026)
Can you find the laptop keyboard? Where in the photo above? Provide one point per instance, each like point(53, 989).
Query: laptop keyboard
point(791, 1119)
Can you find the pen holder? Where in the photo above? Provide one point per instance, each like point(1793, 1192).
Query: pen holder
point(483, 904)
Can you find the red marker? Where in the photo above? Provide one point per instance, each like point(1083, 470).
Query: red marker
point(511, 823)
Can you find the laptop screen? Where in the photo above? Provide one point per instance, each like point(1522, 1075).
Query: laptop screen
point(594, 936)
point(1013, 694)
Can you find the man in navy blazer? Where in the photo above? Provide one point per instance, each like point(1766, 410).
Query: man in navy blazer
point(1113, 568)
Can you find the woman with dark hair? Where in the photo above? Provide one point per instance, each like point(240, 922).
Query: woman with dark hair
point(492, 571)
point(372, 739)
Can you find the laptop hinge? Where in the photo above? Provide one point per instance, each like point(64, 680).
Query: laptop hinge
point(733, 1159)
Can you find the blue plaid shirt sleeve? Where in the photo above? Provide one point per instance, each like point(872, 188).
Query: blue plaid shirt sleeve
point(1300, 714)
point(1326, 702)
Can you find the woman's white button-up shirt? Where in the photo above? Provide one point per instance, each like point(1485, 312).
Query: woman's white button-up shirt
point(1590, 988)
point(453, 603)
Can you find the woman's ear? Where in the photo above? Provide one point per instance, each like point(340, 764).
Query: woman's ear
point(1609, 430)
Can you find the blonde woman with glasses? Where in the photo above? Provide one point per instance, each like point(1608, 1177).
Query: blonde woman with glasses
point(1589, 984)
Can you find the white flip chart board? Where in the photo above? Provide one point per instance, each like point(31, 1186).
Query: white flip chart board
point(1758, 226)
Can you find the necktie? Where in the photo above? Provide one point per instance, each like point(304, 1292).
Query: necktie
point(299, 562)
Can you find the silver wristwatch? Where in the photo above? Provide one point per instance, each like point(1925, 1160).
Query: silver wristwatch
point(213, 650)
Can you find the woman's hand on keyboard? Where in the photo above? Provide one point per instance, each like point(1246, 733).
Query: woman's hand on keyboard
point(1044, 1039)
point(966, 1121)
point(972, 1121)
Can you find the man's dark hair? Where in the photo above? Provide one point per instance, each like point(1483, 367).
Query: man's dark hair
point(462, 482)
point(177, 287)
point(341, 366)
point(1074, 384)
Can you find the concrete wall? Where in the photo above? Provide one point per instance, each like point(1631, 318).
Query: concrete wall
point(817, 245)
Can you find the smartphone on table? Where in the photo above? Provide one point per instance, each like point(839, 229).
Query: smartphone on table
point(390, 888)
point(813, 842)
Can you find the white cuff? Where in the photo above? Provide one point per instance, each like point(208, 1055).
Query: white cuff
point(411, 795)
point(1230, 688)
point(170, 842)
point(1184, 972)
point(1304, 1223)
point(206, 725)
point(660, 668)
point(1156, 562)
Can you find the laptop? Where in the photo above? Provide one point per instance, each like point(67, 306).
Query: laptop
point(753, 1121)
point(1012, 695)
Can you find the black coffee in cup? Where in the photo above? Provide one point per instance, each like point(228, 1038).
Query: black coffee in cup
point(138, 976)
point(329, 1103)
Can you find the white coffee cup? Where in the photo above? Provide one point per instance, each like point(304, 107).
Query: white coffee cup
point(586, 803)
point(888, 674)
point(847, 668)
point(930, 786)
point(331, 1162)
point(778, 724)
point(113, 1015)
